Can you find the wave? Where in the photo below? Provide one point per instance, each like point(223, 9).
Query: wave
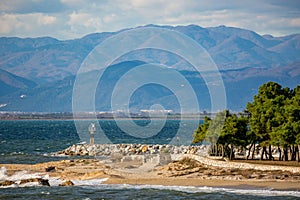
point(196, 189)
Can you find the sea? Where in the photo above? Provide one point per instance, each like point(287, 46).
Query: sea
point(34, 141)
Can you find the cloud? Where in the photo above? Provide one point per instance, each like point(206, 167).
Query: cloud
point(28, 25)
point(79, 22)
point(6, 22)
point(75, 18)
point(31, 6)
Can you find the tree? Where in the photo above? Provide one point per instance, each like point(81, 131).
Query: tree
point(227, 131)
point(209, 131)
point(275, 120)
point(272, 119)
point(263, 115)
point(288, 123)
point(200, 134)
point(233, 134)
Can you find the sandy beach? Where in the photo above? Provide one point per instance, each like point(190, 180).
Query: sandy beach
point(187, 172)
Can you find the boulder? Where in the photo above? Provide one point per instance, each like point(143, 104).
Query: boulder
point(40, 181)
point(6, 183)
point(144, 148)
point(50, 169)
point(67, 183)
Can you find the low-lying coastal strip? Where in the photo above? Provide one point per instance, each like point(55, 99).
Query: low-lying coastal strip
point(150, 165)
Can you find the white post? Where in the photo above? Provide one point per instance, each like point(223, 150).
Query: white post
point(92, 129)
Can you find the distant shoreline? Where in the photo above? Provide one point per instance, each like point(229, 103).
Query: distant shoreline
point(69, 116)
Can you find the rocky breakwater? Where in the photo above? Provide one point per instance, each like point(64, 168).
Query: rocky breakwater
point(130, 149)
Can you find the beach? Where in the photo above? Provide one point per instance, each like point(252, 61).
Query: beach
point(176, 173)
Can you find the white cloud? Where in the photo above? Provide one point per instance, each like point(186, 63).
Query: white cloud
point(295, 22)
point(75, 18)
point(46, 19)
point(27, 25)
point(6, 22)
point(84, 21)
point(109, 18)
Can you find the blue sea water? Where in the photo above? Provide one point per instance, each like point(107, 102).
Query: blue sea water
point(33, 141)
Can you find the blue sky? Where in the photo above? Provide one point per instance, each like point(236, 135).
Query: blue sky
point(67, 19)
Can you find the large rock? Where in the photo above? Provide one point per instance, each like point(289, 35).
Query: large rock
point(67, 183)
point(129, 149)
point(6, 183)
point(50, 169)
point(40, 181)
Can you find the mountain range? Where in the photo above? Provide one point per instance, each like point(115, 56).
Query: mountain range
point(37, 74)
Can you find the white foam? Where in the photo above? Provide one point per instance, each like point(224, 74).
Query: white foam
point(3, 173)
point(92, 182)
point(204, 189)
point(23, 175)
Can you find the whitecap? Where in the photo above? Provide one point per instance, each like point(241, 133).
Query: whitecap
point(92, 182)
point(196, 189)
point(3, 173)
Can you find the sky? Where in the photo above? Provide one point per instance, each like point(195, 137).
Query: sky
point(69, 19)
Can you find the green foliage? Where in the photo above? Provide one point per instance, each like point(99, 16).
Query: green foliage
point(226, 131)
point(275, 116)
point(201, 132)
point(273, 119)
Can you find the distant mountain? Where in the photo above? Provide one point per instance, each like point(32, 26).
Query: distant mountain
point(47, 59)
point(240, 85)
point(10, 83)
point(42, 70)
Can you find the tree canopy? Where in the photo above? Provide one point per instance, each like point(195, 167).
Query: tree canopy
point(271, 119)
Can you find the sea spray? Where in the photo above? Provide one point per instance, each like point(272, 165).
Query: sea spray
point(3, 174)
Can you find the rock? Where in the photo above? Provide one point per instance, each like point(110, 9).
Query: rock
point(44, 182)
point(50, 169)
point(129, 149)
point(67, 183)
point(6, 183)
point(41, 181)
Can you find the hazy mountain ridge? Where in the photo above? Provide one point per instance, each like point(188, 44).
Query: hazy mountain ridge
point(10, 83)
point(240, 86)
point(44, 68)
point(47, 59)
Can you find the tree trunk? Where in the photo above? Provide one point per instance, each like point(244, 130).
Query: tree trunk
point(266, 154)
point(263, 153)
point(249, 151)
point(270, 153)
point(279, 153)
point(223, 152)
point(297, 153)
point(291, 153)
point(294, 152)
point(285, 154)
point(231, 157)
point(253, 152)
